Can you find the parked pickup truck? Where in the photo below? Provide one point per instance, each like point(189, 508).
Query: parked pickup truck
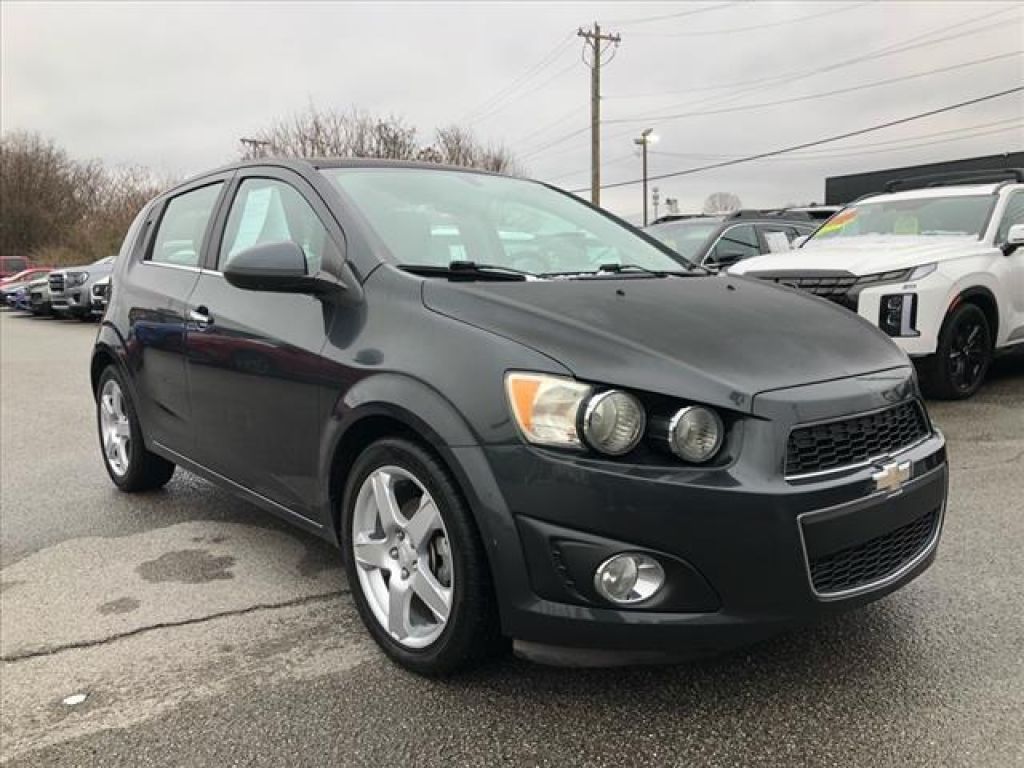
point(936, 263)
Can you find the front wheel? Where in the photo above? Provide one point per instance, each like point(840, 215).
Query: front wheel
point(415, 562)
point(958, 367)
point(129, 464)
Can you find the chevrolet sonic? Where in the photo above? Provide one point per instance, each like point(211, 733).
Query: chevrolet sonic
point(519, 417)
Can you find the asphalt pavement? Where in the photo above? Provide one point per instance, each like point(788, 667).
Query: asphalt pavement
point(203, 632)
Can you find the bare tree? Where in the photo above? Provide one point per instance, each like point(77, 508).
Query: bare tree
point(64, 211)
point(722, 202)
point(354, 133)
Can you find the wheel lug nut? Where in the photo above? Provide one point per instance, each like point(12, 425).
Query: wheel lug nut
point(405, 573)
point(393, 553)
point(401, 536)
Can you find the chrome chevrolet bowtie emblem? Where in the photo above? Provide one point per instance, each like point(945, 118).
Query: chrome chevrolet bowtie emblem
point(891, 477)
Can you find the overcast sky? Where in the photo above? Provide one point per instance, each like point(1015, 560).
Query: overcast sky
point(174, 85)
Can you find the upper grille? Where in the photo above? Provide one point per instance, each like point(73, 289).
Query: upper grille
point(840, 287)
point(874, 559)
point(854, 440)
point(57, 283)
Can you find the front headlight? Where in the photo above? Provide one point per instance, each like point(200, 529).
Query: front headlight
point(546, 408)
point(613, 422)
point(923, 271)
point(695, 434)
point(77, 278)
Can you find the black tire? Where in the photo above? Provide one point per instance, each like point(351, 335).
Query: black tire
point(958, 368)
point(472, 633)
point(146, 471)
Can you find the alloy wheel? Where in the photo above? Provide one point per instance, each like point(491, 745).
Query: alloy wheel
point(402, 555)
point(967, 354)
point(115, 428)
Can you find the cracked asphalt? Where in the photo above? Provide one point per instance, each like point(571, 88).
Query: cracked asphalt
point(206, 633)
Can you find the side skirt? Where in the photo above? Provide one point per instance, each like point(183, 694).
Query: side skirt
point(242, 492)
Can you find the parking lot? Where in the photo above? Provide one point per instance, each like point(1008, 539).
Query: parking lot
point(204, 632)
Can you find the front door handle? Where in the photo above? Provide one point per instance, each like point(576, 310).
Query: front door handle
point(201, 317)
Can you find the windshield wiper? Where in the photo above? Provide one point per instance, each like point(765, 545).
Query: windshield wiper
point(616, 269)
point(469, 270)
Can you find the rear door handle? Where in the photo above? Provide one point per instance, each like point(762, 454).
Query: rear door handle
point(201, 317)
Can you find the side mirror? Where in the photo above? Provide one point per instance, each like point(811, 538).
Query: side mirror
point(279, 268)
point(1014, 239)
point(723, 260)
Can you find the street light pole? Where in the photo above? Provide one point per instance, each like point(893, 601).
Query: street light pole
point(645, 138)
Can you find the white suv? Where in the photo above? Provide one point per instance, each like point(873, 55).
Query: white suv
point(940, 269)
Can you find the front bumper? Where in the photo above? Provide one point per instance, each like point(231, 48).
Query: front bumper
point(932, 297)
point(739, 542)
point(738, 558)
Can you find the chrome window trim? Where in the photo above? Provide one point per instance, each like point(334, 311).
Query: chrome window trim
point(866, 462)
point(184, 267)
point(724, 232)
point(888, 579)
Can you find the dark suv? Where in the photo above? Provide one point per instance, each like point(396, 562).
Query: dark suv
point(517, 416)
point(718, 242)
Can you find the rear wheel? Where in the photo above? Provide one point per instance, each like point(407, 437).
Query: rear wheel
point(415, 562)
point(129, 464)
point(958, 367)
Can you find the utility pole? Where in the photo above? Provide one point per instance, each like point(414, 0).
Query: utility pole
point(257, 146)
point(594, 40)
point(646, 137)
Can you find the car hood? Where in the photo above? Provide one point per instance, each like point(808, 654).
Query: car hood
point(866, 255)
point(719, 340)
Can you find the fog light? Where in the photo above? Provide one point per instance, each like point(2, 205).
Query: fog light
point(629, 578)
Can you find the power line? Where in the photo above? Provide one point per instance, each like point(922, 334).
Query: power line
point(901, 47)
point(908, 44)
point(827, 155)
point(817, 142)
point(855, 148)
point(681, 14)
point(544, 61)
point(812, 96)
point(860, 153)
point(512, 99)
point(604, 164)
point(761, 105)
point(758, 27)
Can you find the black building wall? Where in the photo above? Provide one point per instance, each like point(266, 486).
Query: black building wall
point(844, 189)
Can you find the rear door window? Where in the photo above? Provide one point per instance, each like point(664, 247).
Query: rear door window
point(179, 236)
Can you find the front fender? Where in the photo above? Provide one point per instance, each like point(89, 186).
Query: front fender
point(436, 421)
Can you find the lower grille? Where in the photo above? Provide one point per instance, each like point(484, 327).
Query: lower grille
point(854, 440)
point(873, 560)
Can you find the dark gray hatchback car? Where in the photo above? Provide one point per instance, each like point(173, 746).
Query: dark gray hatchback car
point(517, 416)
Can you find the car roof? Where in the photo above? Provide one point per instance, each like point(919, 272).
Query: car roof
point(306, 165)
point(953, 190)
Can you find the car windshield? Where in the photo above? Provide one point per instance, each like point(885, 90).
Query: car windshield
point(436, 217)
point(963, 215)
point(687, 237)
